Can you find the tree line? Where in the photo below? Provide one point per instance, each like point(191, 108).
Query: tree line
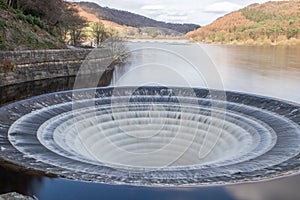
point(253, 26)
point(271, 25)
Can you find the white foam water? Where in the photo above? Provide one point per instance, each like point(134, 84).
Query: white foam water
point(153, 135)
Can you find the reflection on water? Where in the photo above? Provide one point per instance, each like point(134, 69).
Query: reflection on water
point(270, 71)
point(12, 181)
point(61, 189)
point(168, 65)
point(285, 188)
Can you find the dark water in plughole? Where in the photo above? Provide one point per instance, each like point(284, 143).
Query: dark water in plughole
point(274, 74)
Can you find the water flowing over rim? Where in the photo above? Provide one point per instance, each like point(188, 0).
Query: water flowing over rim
point(260, 137)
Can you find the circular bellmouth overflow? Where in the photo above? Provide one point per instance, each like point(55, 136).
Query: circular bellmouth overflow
point(153, 136)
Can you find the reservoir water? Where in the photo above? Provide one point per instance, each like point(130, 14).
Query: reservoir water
point(267, 71)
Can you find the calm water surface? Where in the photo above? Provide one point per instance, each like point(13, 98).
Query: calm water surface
point(268, 71)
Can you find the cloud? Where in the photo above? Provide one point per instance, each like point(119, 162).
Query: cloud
point(221, 7)
point(166, 10)
point(152, 7)
point(173, 18)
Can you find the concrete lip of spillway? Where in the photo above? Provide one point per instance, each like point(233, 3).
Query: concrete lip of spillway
point(153, 136)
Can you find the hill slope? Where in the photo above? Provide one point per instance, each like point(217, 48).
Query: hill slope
point(19, 32)
point(124, 31)
point(91, 17)
point(133, 20)
point(268, 23)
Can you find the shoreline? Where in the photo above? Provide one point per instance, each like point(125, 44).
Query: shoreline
point(278, 44)
point(294, 43)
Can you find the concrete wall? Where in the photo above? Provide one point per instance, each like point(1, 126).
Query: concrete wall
point(20, 91)
point(23, 66)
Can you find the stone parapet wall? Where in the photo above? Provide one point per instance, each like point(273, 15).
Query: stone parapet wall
point(24, 66)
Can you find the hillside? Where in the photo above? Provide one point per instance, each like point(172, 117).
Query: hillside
point(269, 23)
point(132, 20)
point(19, 32)
point(124, 31)
point(91, 18)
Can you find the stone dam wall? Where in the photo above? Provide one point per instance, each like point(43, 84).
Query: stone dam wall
point(24, 66)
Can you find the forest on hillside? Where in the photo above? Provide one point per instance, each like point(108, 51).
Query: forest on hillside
point(269, 23)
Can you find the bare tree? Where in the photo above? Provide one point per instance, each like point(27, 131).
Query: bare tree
point(13, 3)
point(117, 48)
point(77, 34)
point(69, 19)
point(99, 33)
point(70, 26)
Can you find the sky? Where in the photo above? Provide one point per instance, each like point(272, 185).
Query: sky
point(201, 12)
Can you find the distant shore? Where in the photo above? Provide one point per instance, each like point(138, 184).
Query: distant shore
point(161, 40)
point(292, 42)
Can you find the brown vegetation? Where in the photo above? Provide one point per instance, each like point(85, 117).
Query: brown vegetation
point(91, 17)
point(132, 20)
point(36, 24)
point(18, 33)
point(215, 31)
point(268, 23)
point(7, 65)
